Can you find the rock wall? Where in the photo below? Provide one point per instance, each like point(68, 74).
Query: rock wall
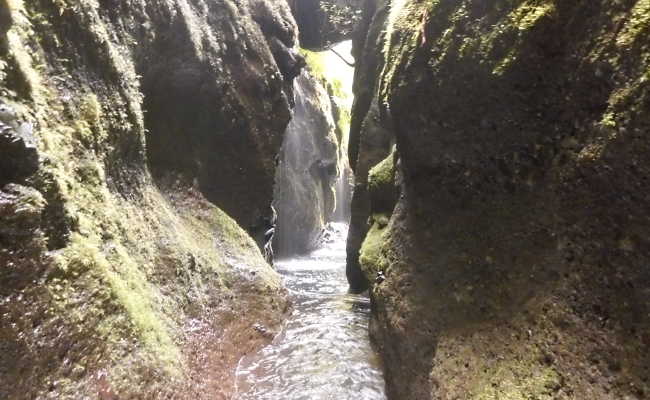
point(515, 262)
point(370, 139)
point(305, 196)
point(127, 128)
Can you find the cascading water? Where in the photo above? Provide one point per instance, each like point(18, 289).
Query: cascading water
point(304, 193)
point(323, 351)
point(343, 192)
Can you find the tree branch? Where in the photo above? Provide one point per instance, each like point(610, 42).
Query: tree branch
point(343, 58)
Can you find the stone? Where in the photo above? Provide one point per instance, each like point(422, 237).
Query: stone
point(20, 158)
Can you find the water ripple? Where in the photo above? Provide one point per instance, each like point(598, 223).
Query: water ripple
point(323, 351)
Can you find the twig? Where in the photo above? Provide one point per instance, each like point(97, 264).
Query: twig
point(343, 58)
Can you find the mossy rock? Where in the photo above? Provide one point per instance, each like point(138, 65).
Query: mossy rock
point(371, 257)
point(382, 185)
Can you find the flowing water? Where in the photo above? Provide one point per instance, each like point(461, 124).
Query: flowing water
point(323, 352)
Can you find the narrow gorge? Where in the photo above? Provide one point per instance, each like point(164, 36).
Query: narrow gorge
point(316, 199)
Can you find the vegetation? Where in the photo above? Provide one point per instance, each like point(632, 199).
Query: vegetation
point(319, 64)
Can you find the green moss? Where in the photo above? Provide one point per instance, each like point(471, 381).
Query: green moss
point(19, 53)
point(229, 230)
point(30, 202)
point(88, 127)
point(406, 17)
point(396, 8)
point(112, 269)
point(345, 118)
point(61, 5)
point(315, 62)
point(637, 26)
point(112, 256)
point(522, 19)
point(90, 109)
point(370, 256)
point(340, 94)
point(609, 120)
point(522, 379)
point(133, 265)
point(530, 12)
point(90, 172)
point(382, 174)
point(503, 64)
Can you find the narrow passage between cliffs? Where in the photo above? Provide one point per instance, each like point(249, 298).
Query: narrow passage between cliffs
point(324, 350)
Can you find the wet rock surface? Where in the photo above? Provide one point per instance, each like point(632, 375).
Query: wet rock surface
point(515, 262)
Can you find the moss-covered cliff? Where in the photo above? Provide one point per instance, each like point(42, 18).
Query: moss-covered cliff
point(515, 265)
point(126, 130)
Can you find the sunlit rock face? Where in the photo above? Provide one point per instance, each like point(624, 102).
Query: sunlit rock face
point(131, 134)
point(323, 23)
point(305, 196)
point(515, 262)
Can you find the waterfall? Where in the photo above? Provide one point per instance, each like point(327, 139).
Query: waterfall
point(343, 191)
point(313, 182)
point(308, 171)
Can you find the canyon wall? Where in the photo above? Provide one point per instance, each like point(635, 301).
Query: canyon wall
point(370, 139)
point(138, 138)
point(515, 262)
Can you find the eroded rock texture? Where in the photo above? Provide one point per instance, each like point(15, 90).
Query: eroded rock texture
point(114, 284)
point(309, 168)
point(516, 260)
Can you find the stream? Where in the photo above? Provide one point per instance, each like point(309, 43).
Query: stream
point(323, 351)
